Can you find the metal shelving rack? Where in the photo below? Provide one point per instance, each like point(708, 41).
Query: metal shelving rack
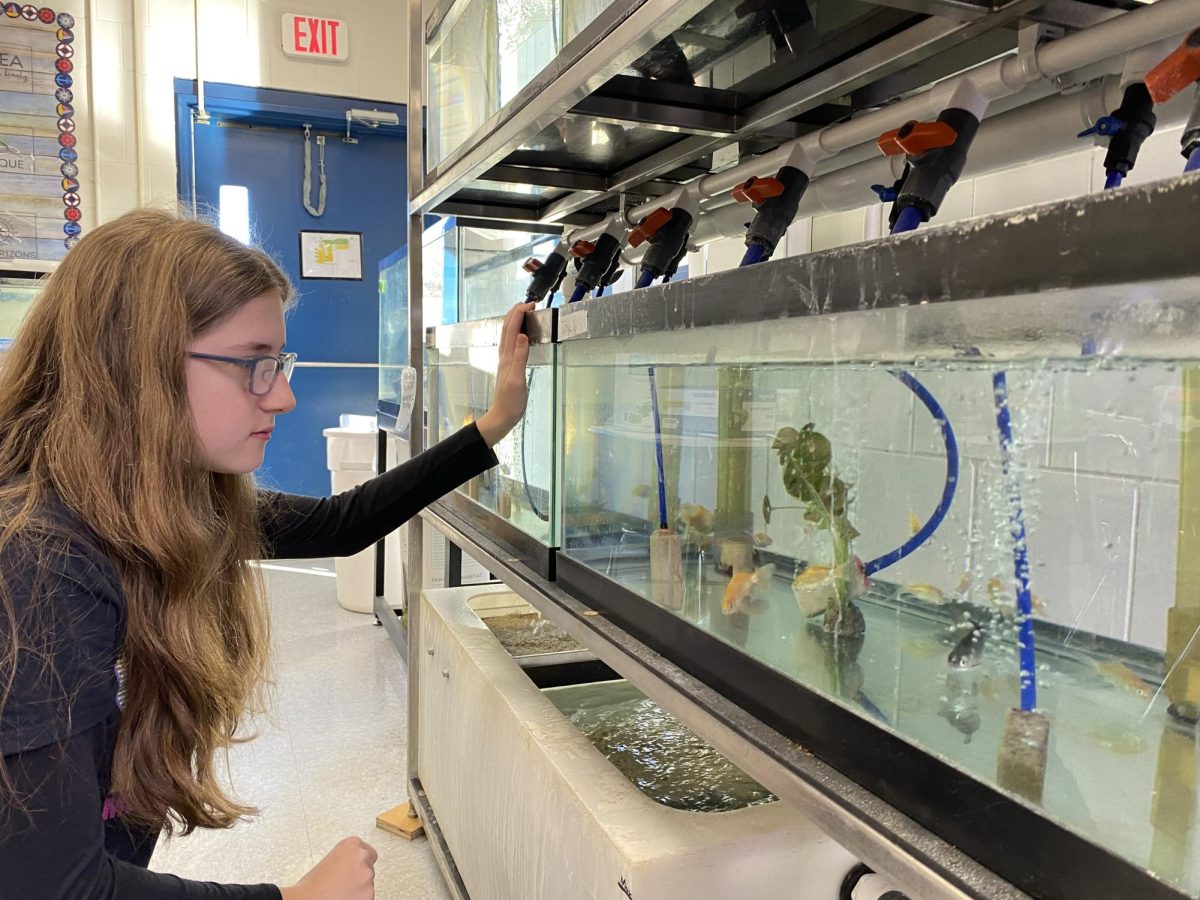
point(896, 47)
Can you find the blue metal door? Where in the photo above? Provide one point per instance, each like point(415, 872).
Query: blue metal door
point(256, 141)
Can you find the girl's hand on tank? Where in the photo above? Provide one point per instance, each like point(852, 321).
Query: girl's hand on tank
point(512, 392)
point(346, 873)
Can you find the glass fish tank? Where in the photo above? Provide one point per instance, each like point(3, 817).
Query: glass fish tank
point(515, 500)
point(968, 525)
point(16, 299)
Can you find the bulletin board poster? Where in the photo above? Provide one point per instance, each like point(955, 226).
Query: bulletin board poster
point(331, 254)
point(39, 165)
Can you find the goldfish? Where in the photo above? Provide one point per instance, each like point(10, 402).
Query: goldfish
point(964, 583)
point(698, 518)
point(642, 491)
point(1120, 675)
point(1113, 737)
point(741, 586)
point(926, 593)
point(914, 524)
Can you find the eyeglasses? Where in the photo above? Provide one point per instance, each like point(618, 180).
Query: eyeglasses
point(264, 370)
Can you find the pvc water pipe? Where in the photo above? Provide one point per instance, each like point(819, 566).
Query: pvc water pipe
point(973, 90)
point(1042, 129)
point(1140, 61)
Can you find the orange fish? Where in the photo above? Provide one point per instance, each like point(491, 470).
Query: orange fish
point(926, 593)
point(741, 586)
point(914, 524)
point(1120, 675)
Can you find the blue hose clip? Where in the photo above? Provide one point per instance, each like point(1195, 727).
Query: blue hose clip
point(886, 194)
point(1106, 126)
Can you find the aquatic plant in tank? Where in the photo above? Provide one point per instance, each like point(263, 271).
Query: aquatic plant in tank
point(806, 457)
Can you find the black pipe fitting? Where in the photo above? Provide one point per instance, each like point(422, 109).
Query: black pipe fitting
point(1191, 132)
point(600, 263)
point(674, 266)
point(667, 242)
point(773, 215)
point(1136, 114)
point(934, 172)
point(854, 876)
point(891, 194)
point(547, 276)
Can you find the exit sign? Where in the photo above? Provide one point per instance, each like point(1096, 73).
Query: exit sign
point(315, 38)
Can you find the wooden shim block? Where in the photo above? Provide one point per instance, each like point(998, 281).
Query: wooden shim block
point(398, 821)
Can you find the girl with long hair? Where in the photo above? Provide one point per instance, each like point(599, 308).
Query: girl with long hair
point(135, 403)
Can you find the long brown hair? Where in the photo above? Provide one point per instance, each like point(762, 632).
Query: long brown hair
point(94, 414)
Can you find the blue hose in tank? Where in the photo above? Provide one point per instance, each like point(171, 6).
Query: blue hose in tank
point(1193, 163)
point(1113, 180)
point(645, 279)
point(533, 507)
point(579, 293)
point(925, 532)
point(658, 450)
point(910, 217)
point(1016, 515)
point(755, 253)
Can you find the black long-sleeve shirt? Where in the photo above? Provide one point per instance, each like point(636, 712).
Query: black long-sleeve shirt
point(57, 733)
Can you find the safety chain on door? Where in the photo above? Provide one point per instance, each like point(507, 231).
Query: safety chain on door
point(320, 208)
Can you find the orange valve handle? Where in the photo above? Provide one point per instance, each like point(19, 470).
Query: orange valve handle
point(531, 265)
point(1179, 69)
point(649, 226)
point(756, 190)
point(581, 249)
point(915, 138)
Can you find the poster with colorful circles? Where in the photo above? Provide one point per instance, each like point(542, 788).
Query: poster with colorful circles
point(39, 170)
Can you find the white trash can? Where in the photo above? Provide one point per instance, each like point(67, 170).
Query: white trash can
point(350, 455)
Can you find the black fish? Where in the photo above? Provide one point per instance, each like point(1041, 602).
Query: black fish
point(968, 652)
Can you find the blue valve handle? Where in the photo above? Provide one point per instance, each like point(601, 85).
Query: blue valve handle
point(886, 194)
point(1106, 126)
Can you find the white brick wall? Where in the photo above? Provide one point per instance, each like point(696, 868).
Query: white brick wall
point(240, 44)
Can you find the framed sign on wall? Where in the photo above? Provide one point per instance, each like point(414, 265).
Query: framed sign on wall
point(331, 255)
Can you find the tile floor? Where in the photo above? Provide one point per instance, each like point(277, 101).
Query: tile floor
point(331, 757)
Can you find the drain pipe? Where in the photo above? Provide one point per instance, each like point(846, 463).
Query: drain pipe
point(202, 116)
point(92, 110)
point(974, 89)
point(139, 103)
